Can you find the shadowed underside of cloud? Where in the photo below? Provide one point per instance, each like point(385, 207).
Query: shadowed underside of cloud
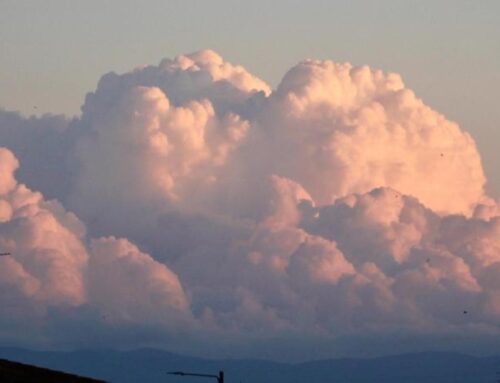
point(191, 205)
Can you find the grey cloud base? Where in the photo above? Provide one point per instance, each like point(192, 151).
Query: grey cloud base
point(191, 207)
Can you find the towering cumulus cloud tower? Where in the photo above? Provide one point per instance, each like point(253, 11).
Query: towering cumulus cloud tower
point(192, 205)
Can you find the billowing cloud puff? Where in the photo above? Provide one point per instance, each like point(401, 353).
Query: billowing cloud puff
point(118, 276)
point(343, 271)
point(361, 265)
point(338, 129)
point(197, 76)
point(219, 71)
point(338, 209)
point(8, 165)
point(160, 138)
point(145, 152)
point(47, 242)
point(50, 266)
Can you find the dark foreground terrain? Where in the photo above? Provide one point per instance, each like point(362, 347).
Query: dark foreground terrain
point(148, 365)
point(13, 372)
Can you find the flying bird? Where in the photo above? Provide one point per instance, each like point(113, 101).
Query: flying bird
point(4, 254)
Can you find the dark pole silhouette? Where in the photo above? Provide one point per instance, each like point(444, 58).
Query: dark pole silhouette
point(220, 377)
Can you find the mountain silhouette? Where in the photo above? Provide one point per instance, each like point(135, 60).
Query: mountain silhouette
point(150, 365)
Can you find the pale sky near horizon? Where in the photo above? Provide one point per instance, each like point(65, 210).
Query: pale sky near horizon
point(53, 52)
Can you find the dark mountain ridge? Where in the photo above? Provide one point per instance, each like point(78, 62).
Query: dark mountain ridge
point(151, 365)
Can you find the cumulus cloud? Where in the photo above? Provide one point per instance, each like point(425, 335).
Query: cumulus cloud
point(50, 265)
point(191, 198)
point(338, 129)
point(119, 274)
point(146, 153)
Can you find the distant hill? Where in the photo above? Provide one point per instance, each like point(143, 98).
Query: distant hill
point(148, 365)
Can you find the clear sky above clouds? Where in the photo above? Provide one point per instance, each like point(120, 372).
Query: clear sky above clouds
point(53, 52)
